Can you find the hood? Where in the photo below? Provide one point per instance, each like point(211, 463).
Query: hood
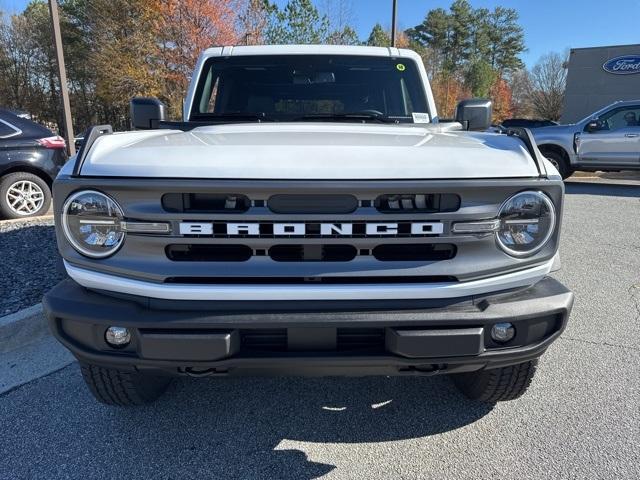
point(303, 151)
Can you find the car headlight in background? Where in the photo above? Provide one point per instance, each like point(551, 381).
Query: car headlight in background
point(92, 223)
point(527, 221)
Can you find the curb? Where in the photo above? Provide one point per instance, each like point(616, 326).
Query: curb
point(22, 328)
point(46, 216)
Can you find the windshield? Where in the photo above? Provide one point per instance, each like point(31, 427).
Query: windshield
point(310, 88)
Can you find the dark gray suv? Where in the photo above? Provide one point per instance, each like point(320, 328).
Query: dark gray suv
point(30, 158)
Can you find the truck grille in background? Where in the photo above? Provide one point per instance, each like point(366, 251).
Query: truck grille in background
point(417, 203)
point(205, 203)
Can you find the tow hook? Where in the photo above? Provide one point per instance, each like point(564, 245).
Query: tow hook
point(202, 372)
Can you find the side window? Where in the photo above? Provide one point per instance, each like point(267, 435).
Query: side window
point(8, 130)
point(619, 118)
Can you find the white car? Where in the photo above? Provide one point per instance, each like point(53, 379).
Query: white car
point(310, 215)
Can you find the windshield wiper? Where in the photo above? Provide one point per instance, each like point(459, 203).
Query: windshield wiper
point(361, 116)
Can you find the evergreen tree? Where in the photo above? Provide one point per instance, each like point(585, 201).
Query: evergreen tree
point(378, 37)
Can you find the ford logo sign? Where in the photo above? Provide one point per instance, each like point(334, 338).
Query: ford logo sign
point(624, 65)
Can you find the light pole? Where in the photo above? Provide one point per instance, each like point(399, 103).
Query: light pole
point(62, 74)
point(393, 22)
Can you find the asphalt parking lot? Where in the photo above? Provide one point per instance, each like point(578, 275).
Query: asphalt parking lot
point(580, 419)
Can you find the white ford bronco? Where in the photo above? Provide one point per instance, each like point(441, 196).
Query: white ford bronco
point(311, 215)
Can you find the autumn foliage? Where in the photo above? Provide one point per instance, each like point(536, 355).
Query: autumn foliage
point(117, 49)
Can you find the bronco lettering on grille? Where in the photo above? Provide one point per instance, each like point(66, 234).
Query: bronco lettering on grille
point(362, 229)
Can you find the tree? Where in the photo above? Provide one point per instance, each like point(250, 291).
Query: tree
point(501, 96)
point(548, 81)
point(253, 21)
point(521, 88)
point(480, 78)
point(299, 22)
point(505, 40)
point(339, 13)
point(378, 37)
point(184, 29)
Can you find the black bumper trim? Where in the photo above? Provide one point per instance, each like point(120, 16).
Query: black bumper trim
point(70, 304)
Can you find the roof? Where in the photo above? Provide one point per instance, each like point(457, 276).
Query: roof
point(308, 50)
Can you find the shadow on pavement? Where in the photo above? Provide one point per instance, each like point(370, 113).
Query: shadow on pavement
point(233, 427)
point(606, 189)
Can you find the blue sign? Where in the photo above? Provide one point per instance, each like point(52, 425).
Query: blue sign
point(624, 65)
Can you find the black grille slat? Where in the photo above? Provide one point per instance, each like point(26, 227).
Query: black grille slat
point(205, 203)
point(417, 203)
point(414, 252)
point(312, 204)
point(313, 253)
point(208, 253)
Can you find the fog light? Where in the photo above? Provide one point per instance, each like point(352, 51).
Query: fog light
point(117, 336)
point(503, 332)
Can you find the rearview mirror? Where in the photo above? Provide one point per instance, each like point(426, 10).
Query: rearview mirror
point(474, 114)
point(147, 112)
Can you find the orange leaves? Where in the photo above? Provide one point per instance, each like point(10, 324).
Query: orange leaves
point(502, 100)
point(448, 91)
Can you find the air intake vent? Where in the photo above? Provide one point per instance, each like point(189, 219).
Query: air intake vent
point(301, 204)
point(208, 253)
point(313, 253)
point(418, 202)
point(205, 203)
point(414, 252)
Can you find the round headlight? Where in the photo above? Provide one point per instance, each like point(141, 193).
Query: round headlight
point(91, 223)
point(527, 221)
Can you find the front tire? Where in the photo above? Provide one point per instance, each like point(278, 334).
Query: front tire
point(560, 163)
point(122, 388)
point(23, 195)
point(498, 384)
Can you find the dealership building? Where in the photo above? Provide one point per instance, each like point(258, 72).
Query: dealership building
point(599, 76)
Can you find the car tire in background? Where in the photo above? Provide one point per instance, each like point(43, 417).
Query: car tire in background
point(23, 195)
point(497, 384)
point(560, 163)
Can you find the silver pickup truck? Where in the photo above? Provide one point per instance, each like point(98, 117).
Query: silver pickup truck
point(609, 139)
point(310, 215)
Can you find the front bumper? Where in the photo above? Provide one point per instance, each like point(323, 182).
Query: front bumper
point(362, 337)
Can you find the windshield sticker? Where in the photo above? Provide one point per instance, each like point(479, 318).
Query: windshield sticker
point(400, 67)
point(419, 117)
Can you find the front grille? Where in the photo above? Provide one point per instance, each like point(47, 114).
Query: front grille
point(411, 252)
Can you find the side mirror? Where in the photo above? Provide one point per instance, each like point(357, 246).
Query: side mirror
point(147, 112)
point(592, 126)
point(474, 114)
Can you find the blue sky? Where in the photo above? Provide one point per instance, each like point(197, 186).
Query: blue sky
point(549, 25)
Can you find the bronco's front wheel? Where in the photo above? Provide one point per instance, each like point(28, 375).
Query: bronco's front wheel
point(498, 384)
point(122, 388)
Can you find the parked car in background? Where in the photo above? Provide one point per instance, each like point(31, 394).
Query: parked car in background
point(609, 139)
point(527, 123)
point(30, 158)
